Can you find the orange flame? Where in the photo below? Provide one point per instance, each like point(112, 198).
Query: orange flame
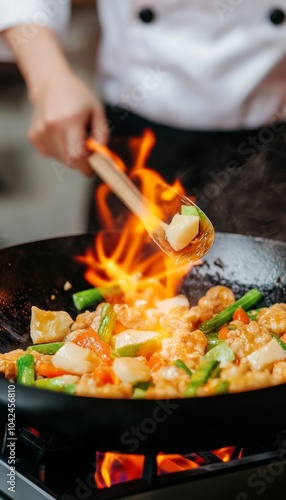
point(129, 258)
point(224, 454)
point(114, 468)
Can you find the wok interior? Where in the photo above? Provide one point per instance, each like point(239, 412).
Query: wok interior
point(35, 274)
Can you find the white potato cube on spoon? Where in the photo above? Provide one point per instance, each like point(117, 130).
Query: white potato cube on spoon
point(182, 230)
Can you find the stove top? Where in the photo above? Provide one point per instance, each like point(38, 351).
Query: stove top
point(45, 470)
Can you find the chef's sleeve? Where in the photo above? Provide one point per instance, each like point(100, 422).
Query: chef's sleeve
point(53, 14)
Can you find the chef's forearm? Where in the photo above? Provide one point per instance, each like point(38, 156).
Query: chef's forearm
point(39, 59)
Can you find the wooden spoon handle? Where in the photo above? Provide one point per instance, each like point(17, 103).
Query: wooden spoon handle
point(124, 188)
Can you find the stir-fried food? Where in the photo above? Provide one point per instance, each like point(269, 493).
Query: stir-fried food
point(146, 347)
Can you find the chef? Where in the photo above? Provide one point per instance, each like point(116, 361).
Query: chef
point(209, 77)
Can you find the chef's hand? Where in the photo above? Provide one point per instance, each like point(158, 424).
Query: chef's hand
point(63, 110)
point(63, 107)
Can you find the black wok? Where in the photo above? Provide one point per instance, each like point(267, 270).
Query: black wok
point(32, 273)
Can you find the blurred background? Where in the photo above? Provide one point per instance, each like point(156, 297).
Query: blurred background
point(40, 198)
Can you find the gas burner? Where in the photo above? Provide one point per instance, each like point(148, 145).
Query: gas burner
point(47, 470)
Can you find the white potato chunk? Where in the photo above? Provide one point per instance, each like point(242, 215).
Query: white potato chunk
point(49, 326)
point(166, 305)
point(266, 355)
point(130, 336)
point(74, 359)
point(131, 370)
point(182, 230)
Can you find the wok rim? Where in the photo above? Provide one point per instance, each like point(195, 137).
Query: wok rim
point(126, 401)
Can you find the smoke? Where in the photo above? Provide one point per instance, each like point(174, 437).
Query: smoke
point(247, 196)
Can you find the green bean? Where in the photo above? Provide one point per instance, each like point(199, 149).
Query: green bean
point(50, 348)
point(25, 369)
point(107, 322)
point(138, 393)
point(204, 371)
point(180, 364)
point(57, 384)
point(91, 296)
point(221, 387)
point(246, 302)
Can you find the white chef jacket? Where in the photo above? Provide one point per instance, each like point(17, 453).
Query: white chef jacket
point(202, 64)
point(50, 13)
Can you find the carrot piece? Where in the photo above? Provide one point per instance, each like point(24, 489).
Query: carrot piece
point(105, 375)
point(118, 328)
point(155, 363)
point(240, 315)
point(90, 339)
point(283, 338)
point(223, 333)
point(49, 370)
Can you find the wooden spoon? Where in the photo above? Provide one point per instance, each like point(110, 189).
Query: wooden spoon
point(104, 166)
